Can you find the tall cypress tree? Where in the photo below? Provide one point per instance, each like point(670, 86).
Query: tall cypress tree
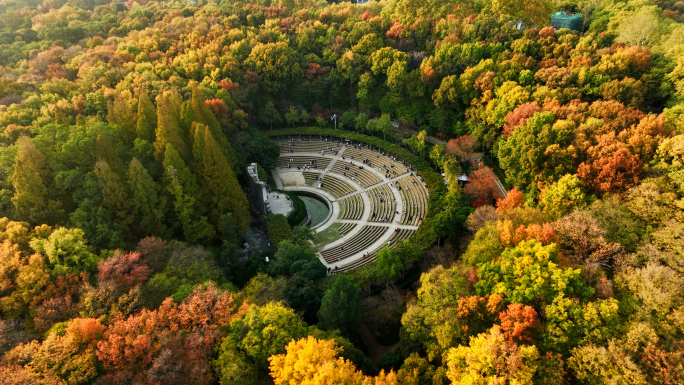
point(196, 110)
point(115, 196)
point(104, 151)
point(197, 132)
point(182, 186)
point(31, 181)
point(120, 112)
point(185, 177)
point(145, 205)
point(169, 126)
point(221, 189)
point(147, 118)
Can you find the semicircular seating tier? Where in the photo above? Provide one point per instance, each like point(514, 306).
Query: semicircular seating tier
point(376, 200)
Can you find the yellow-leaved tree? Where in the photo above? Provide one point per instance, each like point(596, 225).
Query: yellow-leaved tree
point(310, 361)
point(491, 359)
point(535, 13)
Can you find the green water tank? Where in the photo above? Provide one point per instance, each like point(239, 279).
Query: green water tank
point(567, 20)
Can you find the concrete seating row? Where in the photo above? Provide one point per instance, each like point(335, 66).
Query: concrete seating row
point(376, 159)
point(335, 186)
point(351, 207)
point(395, 241)
point(382, 204)
point(362, 177)
point(346, 228)
point(416, 199)
point(310, 175)
point(301, 161)
point(356, 244)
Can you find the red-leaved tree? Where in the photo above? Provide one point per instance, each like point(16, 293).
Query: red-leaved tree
point(518, 117)
point(123, 270)
point(220, 110)
point(314, 71)
point(228, 85)
point(481, 185)
point(462, 148)
point(543, 234)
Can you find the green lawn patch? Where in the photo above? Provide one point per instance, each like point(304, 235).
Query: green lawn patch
point(329, 235)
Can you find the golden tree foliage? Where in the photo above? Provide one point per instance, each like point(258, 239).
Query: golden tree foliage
point(311, 362)
point(491, 359)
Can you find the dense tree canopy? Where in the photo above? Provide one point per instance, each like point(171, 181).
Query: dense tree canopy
point(551, 251)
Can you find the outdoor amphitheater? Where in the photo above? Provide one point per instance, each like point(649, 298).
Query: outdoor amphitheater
point(359, 199)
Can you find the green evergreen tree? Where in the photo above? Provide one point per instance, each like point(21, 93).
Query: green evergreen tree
point(147, 118)
point(197, 131)
point(105, 152)
point(361, 122)
point(61, 118)
point(195, 111)
point(31, 182)
point(340, 307)
point(181, 184)
point(120, 112)
point(269, 115)
point(292, 116)
point(169, 126)
point(185, 177)
point(198, 111)
point(348, 120)
point(145, 205)
point(115, 195)
point(221, 188)
point(389, 264)
point(231, 242)
point(384, 125)
point(304, 116)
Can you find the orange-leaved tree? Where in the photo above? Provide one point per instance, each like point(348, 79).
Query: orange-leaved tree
point(519, 323)
point(171, 344)
point(513, 199)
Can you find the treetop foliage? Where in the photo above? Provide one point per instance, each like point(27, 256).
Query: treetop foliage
point(125, 128)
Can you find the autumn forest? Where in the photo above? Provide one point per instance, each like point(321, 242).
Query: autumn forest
point(550, 250)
